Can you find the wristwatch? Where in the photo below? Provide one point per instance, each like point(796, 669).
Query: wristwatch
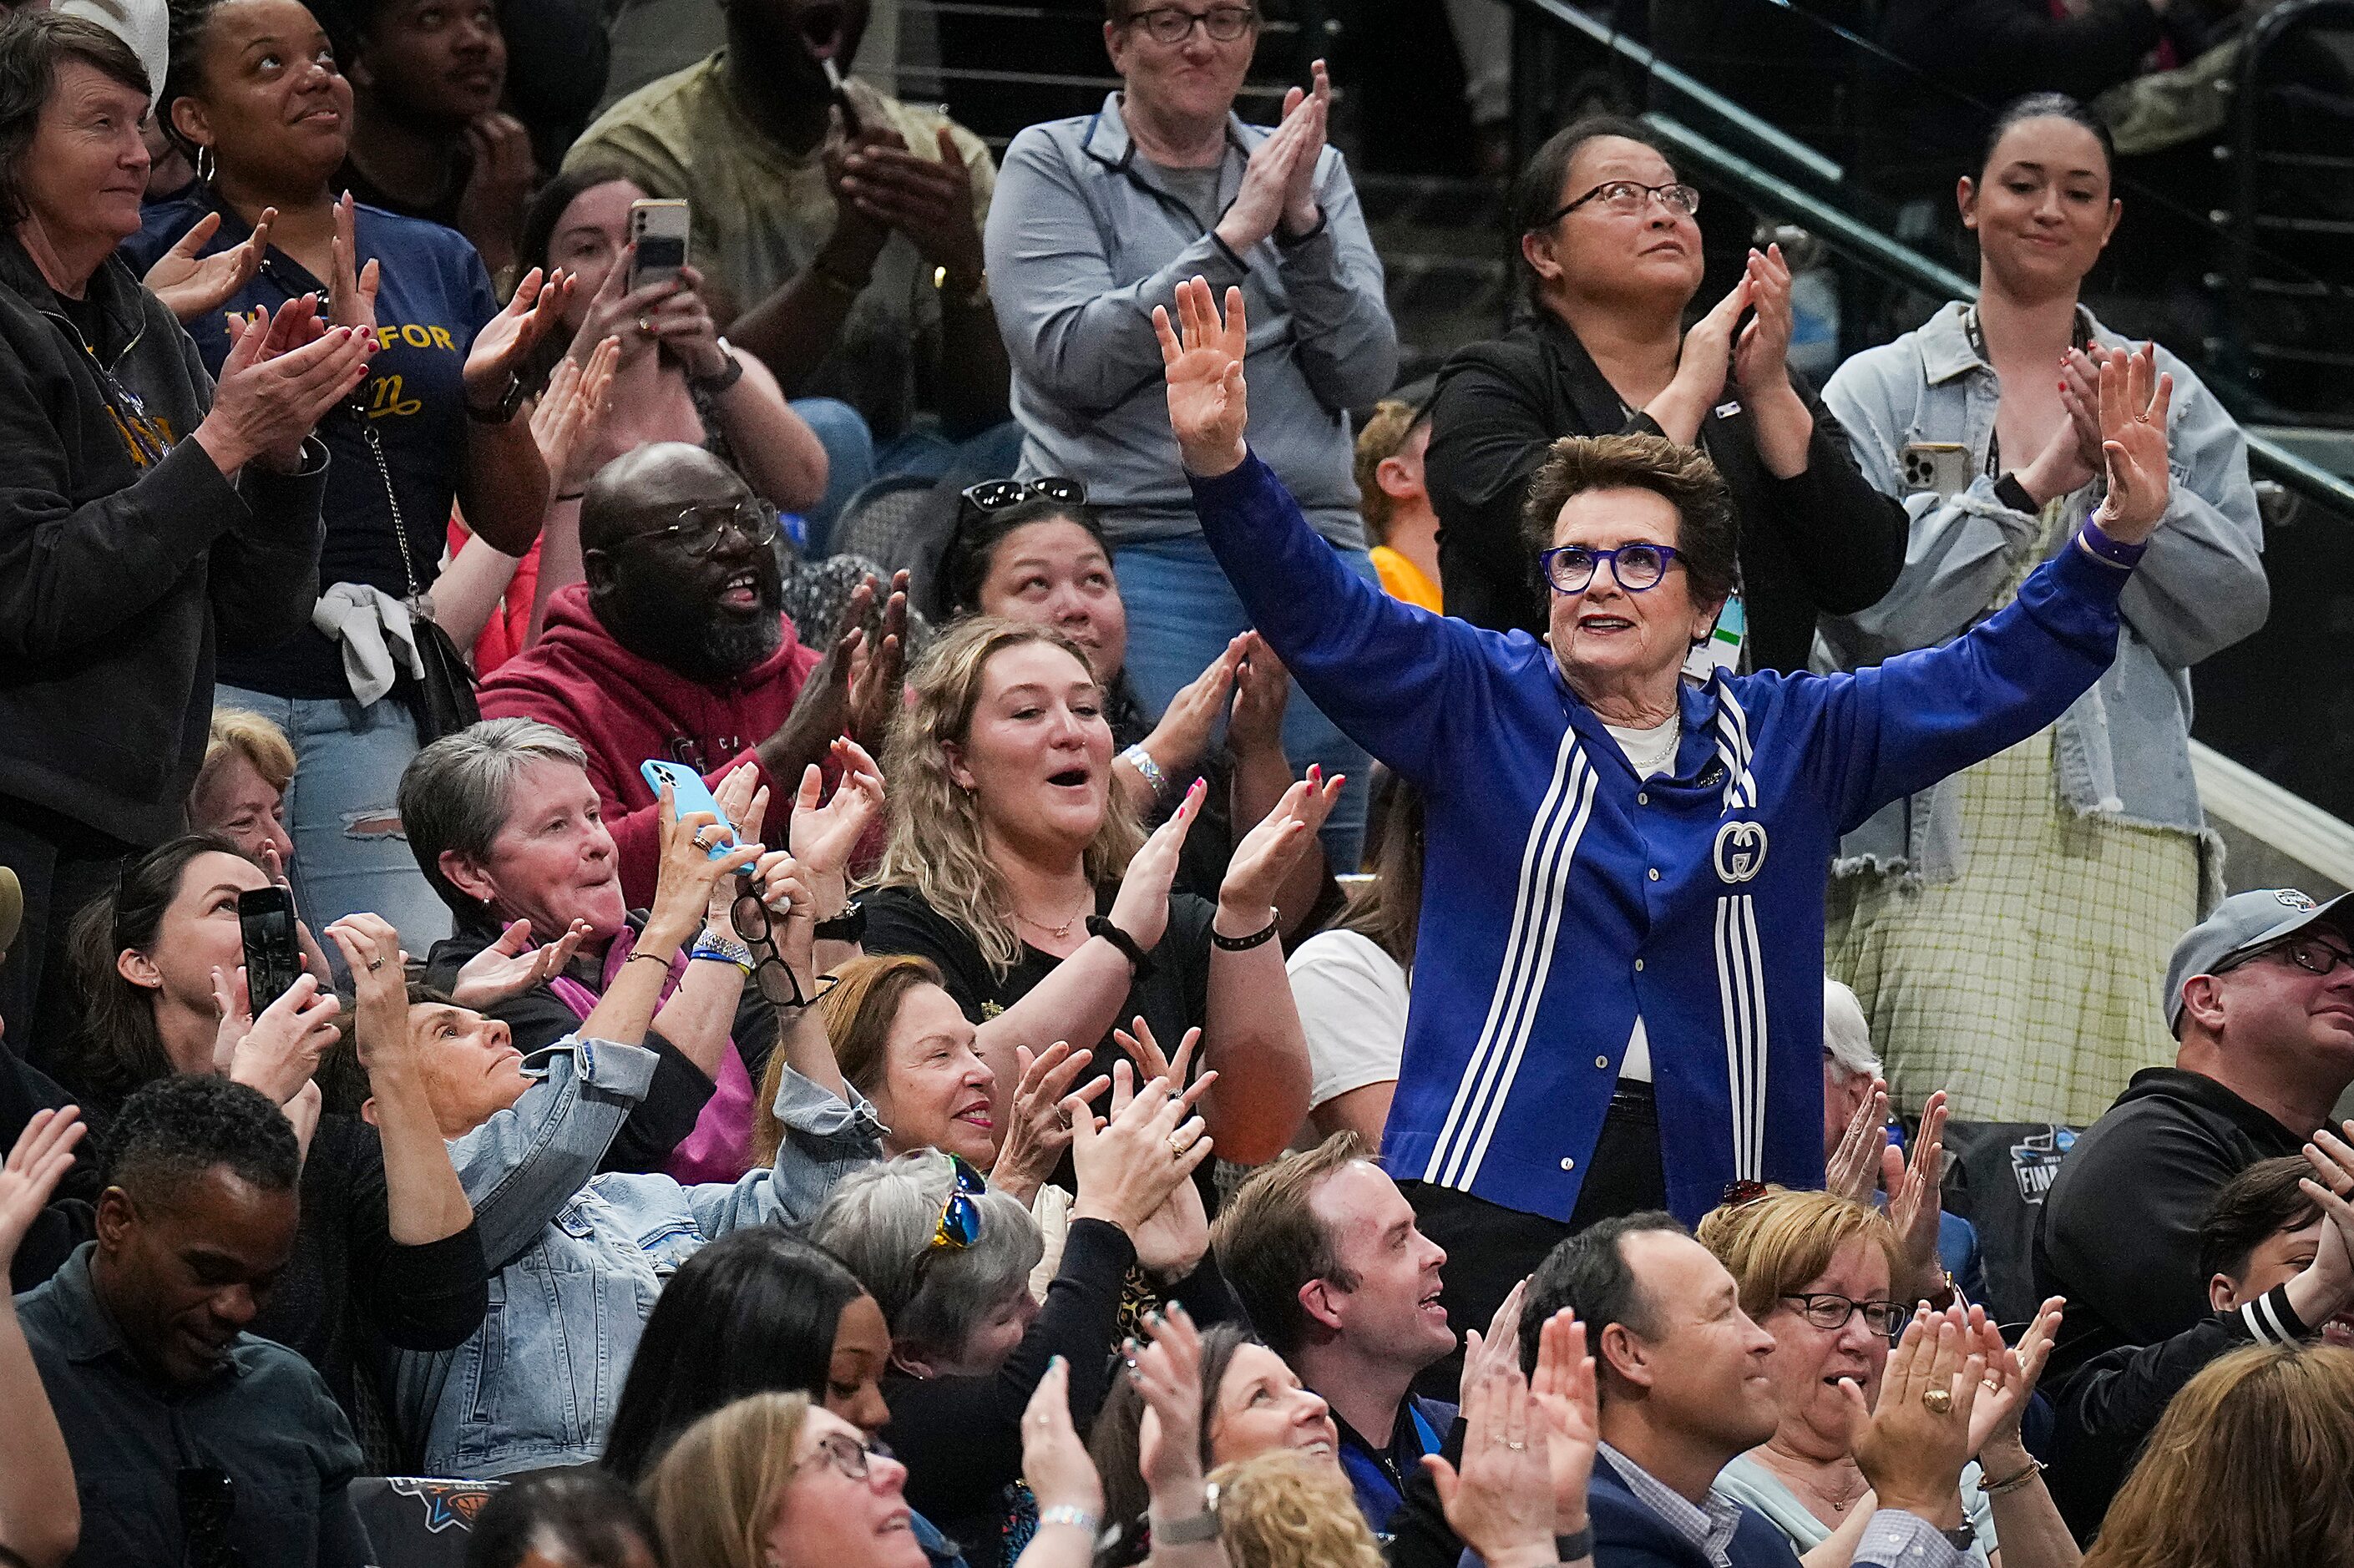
point(719, 381)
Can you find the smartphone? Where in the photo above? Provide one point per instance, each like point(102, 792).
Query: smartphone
point(266, 917)
point(690, 794)
point(658, 229)
point(1940, 466)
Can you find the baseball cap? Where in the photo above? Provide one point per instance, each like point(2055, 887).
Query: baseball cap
point(2239, 924)
point(11, 910)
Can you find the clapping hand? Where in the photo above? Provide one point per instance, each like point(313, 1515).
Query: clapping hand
point(1262, 690)
point(930, 200)
point(824, 837)
point(1913, 1445)
point(1140, 907)
point(1853, 1169)
point(1177, 741)
point(43, 1154)
point(877, 683)
point(1055, 1463)
point(571, 412)
point(511, 965)
point(1128, 1167)
point(284, 374)
point(1168, 1372)
point(500, 347)
point(1269, 851)
point(2136, 400)
point(193, 285)
point(1761, 354)
point(1036, 1131)
point(1502, 1503)
point(1915, 1196)
point(1203, 362)
point(1173, 1238)
point(2011, 1376)
point(1564, 1389)
point(351, 295)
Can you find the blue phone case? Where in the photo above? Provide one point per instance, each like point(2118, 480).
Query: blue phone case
point(690, 794)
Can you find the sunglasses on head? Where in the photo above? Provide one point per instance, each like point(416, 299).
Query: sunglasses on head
point(960, 1224)
point(997, 495)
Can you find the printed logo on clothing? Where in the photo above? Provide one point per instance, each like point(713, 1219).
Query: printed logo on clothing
point(2293, 898)
point(1740, 852)
point(2035, 1160)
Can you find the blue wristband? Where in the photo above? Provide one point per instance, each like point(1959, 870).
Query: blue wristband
point(2101, 547)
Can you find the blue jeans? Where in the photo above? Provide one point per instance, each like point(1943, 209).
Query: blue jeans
point(1181, 613)
point(849, 445)
point(342, 812)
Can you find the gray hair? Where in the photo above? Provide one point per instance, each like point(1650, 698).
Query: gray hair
point(880, 1220)
point(456, 793)
point(1847, 1038)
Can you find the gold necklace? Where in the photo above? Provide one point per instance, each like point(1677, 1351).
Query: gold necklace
point(1057, 932)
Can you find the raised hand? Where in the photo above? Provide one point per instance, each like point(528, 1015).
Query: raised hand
point(1140, 907)
point(822, 837)
point(1173, 1238)
point(379, 984)
point(2010, 1379)
point(278, 1052)
point(193, 285)
point(1915, 1196)
point(1269, 851)
point(1564, 1389)
point(1262, 690)
point(1265, 197)
point(1180, 737)
point(490, 209)
point(282, 376)
point(1761, 354)
point(821, 712)
point(43, 1154)
point(685, 875)
point(1501, 1501)
point(878, 689)
point(928, 200)
point(1127, 1168)
point(500, 347)
point(1036, 1131)
point(1055, 1463)
point(571, 414)
point(1203, 362)
point(512, 966)
point(1168, 1372)
point(1700, 367)
point(1853, 1169)
point(1500, 1344)
point(2135, 399)
point(1912, 1446)
point(351, 295)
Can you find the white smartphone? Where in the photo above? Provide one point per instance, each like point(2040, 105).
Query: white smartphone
point(658, 229)
point(1940, 466)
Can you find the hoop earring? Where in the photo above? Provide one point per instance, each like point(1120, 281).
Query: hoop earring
point(204, 161)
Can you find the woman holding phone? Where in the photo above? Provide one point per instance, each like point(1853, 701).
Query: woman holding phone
point(255, 98)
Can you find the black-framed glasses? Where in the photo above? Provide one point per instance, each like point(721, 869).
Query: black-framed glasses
point(960, 1224)
point(207, 1503)
point(1635, 567)
point(1829, 1311)
point(1624, 198)
point(2310, 953)
point(700, 529)
point(1174, 24)
point(848, 1455)
point(774, 978)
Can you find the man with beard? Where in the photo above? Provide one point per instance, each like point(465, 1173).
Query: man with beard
point(675, 648)
point(192, 1440)
point(842, 226)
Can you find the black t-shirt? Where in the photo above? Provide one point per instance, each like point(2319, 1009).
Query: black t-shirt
point(1173, 998)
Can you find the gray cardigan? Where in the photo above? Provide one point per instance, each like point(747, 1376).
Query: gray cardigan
point(1083, 241)
point(2123, 749)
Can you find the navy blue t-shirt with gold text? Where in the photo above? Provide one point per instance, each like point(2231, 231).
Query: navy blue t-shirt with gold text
point(432, 296)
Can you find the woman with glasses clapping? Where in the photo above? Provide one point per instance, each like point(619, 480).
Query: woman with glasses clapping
point(1610, 253)
point(1814, 1271)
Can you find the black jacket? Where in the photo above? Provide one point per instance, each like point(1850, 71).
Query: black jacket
point(118, 566)
point(2113, 1401)
point(2119, 1230)
point(1823, 542)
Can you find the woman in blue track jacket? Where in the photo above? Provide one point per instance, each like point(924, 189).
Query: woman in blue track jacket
point(1625, 871)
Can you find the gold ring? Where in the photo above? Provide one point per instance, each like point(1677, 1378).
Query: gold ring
point(645, 326)
point(375, 964)
point(1937, 1401)
point(1176, 1147)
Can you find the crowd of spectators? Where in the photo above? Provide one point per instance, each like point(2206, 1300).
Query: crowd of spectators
point(1337, 975)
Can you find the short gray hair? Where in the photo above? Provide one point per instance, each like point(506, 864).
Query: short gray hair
point(1847, 1038)
point(880, 1220)
point(456, 793)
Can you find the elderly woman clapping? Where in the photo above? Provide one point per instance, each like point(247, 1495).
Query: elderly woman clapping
point(1626, 869)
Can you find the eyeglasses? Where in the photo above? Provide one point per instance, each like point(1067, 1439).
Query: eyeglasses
point(771, 975)
point(960, 1224)
point(700, 529)
point(1743, 1190)
point(208, 1499)
point(1624, 198)
point(2310, 954)
point(1831, 1313)
point(1174, 24)
point(848, 1455)
point(1635, 568)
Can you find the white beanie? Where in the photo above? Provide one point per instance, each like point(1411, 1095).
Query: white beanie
point(145, 25)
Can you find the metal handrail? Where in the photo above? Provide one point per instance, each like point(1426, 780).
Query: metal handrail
point(1855, 239)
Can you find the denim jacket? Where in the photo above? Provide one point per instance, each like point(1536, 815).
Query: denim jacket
point(2123, 749)
point(578, 1258)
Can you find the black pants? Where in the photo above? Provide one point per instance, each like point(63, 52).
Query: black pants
point(63, 866)
point(1490, 1249)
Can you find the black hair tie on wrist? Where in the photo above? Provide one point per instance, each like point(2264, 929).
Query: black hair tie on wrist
point(1138, 960)
point(1259, 938)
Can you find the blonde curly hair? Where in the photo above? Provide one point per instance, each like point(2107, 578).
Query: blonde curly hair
point(1284, 1510)
point(934, 844)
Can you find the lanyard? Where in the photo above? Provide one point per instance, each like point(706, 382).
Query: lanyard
point(2080, 338)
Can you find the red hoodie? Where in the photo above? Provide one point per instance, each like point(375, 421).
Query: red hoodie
point(626, 710)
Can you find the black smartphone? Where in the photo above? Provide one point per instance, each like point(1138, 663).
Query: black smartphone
point(266, 915)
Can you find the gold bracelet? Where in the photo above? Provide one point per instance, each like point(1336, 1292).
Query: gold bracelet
point(2011, 1483)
